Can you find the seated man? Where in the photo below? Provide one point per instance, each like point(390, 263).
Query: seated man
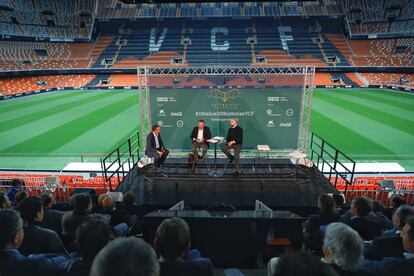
point(367, 228)
point(155, 147)
point(91, 237)
point(37, 240)
point(390, 245)
point(343, 249)
point(311, 227)
point(126, 256)
point(52, 219)
point(396, 266)
point(199, 136)
point(234, 141)
point(172, 242)
point(11, 261)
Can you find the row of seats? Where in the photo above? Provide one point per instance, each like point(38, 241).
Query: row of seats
point(402, 183)
point(63, 19)
point(27, 84)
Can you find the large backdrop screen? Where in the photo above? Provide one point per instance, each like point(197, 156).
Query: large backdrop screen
point(269, 116)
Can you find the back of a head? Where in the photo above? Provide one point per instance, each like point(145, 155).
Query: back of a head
point(403, 212)
point(345, 245)
point(301, 264)
point(338, 199)
point(29, 208)
point(172, 238)
point(363, 205)
point(91, 237)
point(326, 203)
point(108, 203)
point(20, 196)
point(126, 257)
point(10, 223)
point(397, 201)
point(80, 202)
point(47, 198)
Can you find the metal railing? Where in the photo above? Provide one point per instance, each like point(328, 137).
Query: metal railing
point(120, 161)
point(324, 154)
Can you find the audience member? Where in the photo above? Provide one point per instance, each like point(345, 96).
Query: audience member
point(12, 263)
point(52, 219)
point(390, 243)
point(126, 257)
point(397, 266)
point(311, 227)
point(118, 216)
point(37, 239)
point(173, 242)
point(128, 203)
point(16, 186)
point(378, 208)
point(367, 228)
point(343, 249)
point(339, 203)
point(4, 201)
point(299, 264)
point(20, 196)
point(82, 206)
point(91, 237)
point(395, 202)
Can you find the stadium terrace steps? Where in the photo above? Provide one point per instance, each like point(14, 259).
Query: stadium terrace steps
point(97, 80)
point(101, 44)
point(345, 79)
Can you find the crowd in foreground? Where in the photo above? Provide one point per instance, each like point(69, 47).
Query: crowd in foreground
point(102, 239)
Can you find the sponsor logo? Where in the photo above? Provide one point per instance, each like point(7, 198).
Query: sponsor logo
point(287, 124)
point(273, 99)
point(160, 122)
point(289, 112)
point(180, 123)
point(176, 114)
point(162, 99)
point(161, 113)
point(270, 123)
point(224, 96)
point(270, 113)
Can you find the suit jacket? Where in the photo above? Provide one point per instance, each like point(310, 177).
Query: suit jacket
point(199, 267)
point(235, 134)
point(367, 229)
point(151, 149)
point(12, 263)
point(390, 267)
point(342, 272)
point(385, 246)
point(52, 219)
point(206, 133)
point(38, 240)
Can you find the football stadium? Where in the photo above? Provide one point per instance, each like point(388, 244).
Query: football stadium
point(206, 137)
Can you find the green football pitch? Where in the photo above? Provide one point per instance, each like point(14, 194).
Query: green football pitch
point(48, 131)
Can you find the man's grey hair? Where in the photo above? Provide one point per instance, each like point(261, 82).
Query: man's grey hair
point(403, 212)
point(345, 245)
point(124, 257)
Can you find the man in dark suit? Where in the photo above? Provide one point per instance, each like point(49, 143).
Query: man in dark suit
point(390, 244)
point(199, 136)
point(11, 261)
point(52, 219)
point(37, 240)
point(368, 229)
point(234, 141)
point(397, 266)
point(155, 147)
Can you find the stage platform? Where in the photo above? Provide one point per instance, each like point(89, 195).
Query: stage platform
point(283, 186)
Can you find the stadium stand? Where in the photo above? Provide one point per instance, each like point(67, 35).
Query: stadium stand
point(27, 84)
